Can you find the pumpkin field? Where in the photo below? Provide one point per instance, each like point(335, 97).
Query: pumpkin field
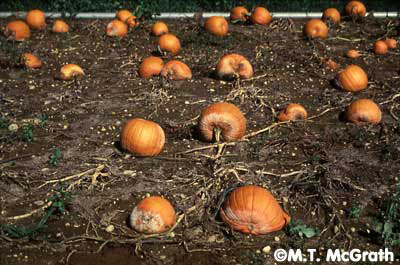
point(198, 140)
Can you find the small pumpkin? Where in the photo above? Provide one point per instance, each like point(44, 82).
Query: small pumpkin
point(222, 121)
point(293, 112)
point(316, 28)
point(353, 78)
point(355, 8)
point(159, 28)
point(363, 111)
point(36, 19)
point(153, 215)
point(117, 28)
point(331, 64)
point(169, 43)
point(260, 16)
point(253, 210)
point(234, 65)
point(239, 13)
point(59, 26)
point(380, 47)
point(150, 66)
point(331, 14)
point(71, 71)
point(142, 137)
point(353, 53)
point(176, 70)
point(391, 43)
point(31, 61)
point(127, 17)
point(17, 30)
point(217, 25)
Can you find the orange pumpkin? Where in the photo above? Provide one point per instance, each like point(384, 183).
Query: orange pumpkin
point(142, 137)
point(127, 17)
point(17, 30)
point(391, 43)
point(153, 215)
point(331, 14)
point(233, 65)
point(292, 112)
point(36, 19)
point(222, 121)
point(353, 78)
point(239, 13)
point(71, 71)
point(316, 28)
point(355, 8)
point(151, 66)
point(217, 25)
point(253, 210)
point(176, 70)
point(363, 111)
point(59, 26)
point(117, 28)
point(353, 53)
point(380, 47)
point(260, 16)
point(31, 61)
point(169, 43)
point(159, 28)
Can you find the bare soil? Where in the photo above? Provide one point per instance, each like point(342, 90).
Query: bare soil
point(321, 170)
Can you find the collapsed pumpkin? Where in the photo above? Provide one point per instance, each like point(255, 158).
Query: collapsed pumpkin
point(363, 111)
point(234, 65)
point(293, 112)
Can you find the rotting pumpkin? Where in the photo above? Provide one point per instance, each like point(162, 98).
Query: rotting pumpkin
point(293, 112)
point(363, 111)
point(153, 215)
point(233, 65)
point(253, 210)
point(70, 71)
point(355, 8)
point(221, 121)
point(116, 28)
point(239, 13)
point(142, 137)
point(331, 14)
point(17, 30)
point(127, 17)
point(176, 70)
point(31, 61)
point(59, 26)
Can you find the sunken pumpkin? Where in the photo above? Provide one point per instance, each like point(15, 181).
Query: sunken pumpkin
point(176, 70)
point(293, 112)
point(253, 210)
point(234, 65)
point(363, 111)
point(71, 71)
point(31, 61)
point(142, 137)
point(221, 121)
point(353, 78)
point(153, 215)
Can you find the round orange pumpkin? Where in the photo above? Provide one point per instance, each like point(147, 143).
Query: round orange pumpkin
point(355, 8)
point(260, 16)
point(292, 112)
point(153, 215)
point(380, 47)
point(353, 78)
point(169, 43)
point(363, 111)
point(391, 43)
point(217, 25)
point(222, 121)
point(353, 53)
point(31, 61)
point(36, 19)
point(59, 26)
point(151, 66)
point(239, 13)
point(71, 71)
point(253, 210)
point(17, 30)
point(127, 17)
point(176, 70)
point(331, 14)
point(117, 28)
point(234, 65)
point(159, 28)
point(316, 28)
point(142, 137)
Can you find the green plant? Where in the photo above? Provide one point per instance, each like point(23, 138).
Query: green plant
point(27, 133)
point(59, 202)
point(3, 123)
point(298, 228)
point(55, 157)
point(43, 120)
point(355, 211)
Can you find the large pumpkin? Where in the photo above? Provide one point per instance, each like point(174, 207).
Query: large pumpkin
point(142, 137)
point(253, 210)
point(353, 78)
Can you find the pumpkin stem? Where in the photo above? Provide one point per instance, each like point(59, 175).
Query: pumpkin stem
point(217, 134)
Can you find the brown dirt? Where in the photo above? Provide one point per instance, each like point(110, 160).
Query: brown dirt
point(316, 169)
